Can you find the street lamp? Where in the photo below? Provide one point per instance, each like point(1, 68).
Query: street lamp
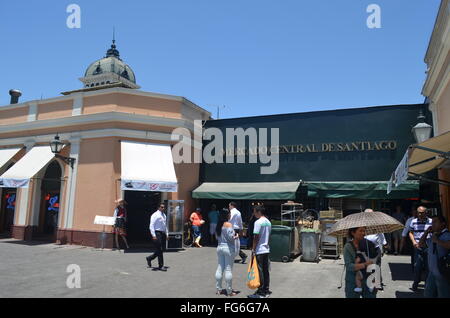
point(422, 131)
point(56, 146)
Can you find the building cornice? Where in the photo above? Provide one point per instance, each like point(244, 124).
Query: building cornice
point(113, 90)
point(78, 136)
point(437, 54)
point(97, 118)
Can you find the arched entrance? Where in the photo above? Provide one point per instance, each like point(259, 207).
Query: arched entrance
point(7, 209)
point(50, 202)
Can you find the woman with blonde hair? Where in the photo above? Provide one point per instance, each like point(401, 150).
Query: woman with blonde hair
point(120, 213)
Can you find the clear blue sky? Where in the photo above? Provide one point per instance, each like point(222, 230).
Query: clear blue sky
point(257, 57)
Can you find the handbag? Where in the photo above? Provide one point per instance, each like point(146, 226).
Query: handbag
point(253, 281)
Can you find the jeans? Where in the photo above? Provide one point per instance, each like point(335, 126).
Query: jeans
point(197, 232)
point(225, 257)
point(264, 276)
point(436, 287)
point(420, 263)
point(160, 245)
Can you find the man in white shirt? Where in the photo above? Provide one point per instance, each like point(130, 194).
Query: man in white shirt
point(261, 249)
point(158, 230)
point(236, 221)
point(379, 240)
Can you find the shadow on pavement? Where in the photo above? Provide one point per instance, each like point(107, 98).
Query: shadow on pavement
point(401, 271)
point(411, 294)
point(145, 250)
point(27, 243)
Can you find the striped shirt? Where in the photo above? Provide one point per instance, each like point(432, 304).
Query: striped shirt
point(418, 227)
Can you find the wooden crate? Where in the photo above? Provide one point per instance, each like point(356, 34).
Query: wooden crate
point(328, 214)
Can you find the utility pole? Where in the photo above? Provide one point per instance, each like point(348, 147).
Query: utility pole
point(218, 110)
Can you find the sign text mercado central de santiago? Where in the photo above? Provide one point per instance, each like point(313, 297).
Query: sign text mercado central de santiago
point(315, 148)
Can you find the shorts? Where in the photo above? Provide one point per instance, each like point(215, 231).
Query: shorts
point(119, 227)
point(212, 228)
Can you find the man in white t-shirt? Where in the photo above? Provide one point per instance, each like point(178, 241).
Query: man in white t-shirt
point(379, 240)
point(236, 221)
point(261, 249)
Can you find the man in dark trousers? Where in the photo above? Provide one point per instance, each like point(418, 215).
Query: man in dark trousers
point(261, 249)
point(158, 230)
point(417, 229)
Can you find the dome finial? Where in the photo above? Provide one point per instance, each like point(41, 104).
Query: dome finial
point(113, 52)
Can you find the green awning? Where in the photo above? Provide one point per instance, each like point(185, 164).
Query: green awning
point(247, 191)
point(362, 190)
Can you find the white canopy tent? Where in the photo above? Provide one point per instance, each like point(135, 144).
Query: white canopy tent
point(147, 167)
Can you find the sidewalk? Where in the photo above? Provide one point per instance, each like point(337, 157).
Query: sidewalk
point(39, 270)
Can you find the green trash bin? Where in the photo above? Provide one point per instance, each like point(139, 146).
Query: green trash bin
point(284, 243)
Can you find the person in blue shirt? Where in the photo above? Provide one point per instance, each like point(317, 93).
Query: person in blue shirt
point(438, 245)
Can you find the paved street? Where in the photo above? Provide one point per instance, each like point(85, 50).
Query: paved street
point(39, 270)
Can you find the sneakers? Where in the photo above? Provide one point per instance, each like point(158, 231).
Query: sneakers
point(256, 296)
point(149, 261)
point(414, 287)
point(260, 295)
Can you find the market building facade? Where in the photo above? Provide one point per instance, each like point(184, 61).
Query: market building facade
point(119, 139)
point(340, 159)
point(437, 90)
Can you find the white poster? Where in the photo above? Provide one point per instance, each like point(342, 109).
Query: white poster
point(133, 185)
point(104, 220)
point(14, 183)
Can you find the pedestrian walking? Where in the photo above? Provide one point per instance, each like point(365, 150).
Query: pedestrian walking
point(251, 226)
point(226, 238)
point(380, 242)
point(213, 217)
point(197, 222)
point(120, 213)
point(417, 229)
point(437, 285)
point(352, 250)
point(158, 230)
point(261, 249)
point(405, 235)
point(236, 221)
point(397, 235)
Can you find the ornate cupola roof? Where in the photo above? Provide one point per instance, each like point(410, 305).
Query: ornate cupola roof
point(108, 72)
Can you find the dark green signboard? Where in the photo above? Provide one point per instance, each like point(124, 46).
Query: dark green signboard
point(363, 144)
